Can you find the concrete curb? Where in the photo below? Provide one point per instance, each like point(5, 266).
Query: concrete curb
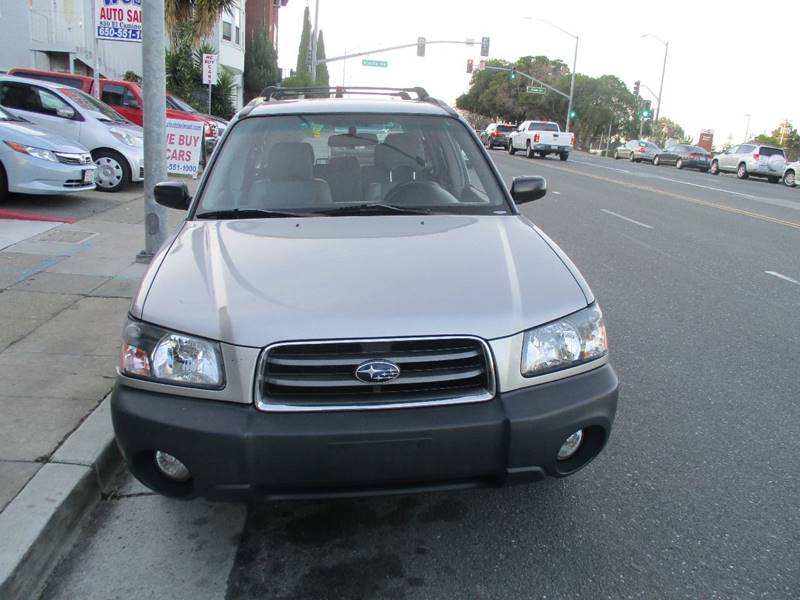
point(40, 524)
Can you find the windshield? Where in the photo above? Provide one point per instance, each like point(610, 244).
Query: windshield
point(767, 151)
point(317, 163)
point(101, 111)
point(177, 103)
point(505, 128)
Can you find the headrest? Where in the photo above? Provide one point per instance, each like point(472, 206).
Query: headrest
point(291, 161)
point(399, 149)
point(345, 163)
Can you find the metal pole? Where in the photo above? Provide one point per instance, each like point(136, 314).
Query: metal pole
point(209, 98)
point(661, 88)
point(608, 139)
point(154, 83)
point(314, 45)
point(96, 83)
point(572, 84)
point(747, 131)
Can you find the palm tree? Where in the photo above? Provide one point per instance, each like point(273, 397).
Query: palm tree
point(201, 14)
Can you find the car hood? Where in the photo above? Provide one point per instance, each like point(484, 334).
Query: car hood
point(255, 282)
point(31, 135)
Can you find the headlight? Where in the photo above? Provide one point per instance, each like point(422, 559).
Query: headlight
point(31, 151)
point(128, 138)
point(573, 340)
point(151, 352)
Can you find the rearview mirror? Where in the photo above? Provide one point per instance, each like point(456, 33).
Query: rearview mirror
point(172, 194)
point(528, 188)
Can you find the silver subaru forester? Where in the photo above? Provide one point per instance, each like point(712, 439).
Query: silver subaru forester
point(354, 305)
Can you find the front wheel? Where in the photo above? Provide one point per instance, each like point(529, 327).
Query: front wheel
point(564, 155)
point(511, 149)
point(616, 155)
point(679, 164)
point(788, 180)
point(714, 168)
point(3, 184)
point(656, 162)
point(632, 158)
point(741, 172)
point(113, 172)
point(490, 144)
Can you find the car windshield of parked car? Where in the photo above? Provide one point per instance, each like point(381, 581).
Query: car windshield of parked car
point(505, 128)
point(339, 162)
point(100, 110)
point(697, 150)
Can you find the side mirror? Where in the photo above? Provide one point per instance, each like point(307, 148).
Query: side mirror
point(65, 113)
point(528, 189)
point(172, 194)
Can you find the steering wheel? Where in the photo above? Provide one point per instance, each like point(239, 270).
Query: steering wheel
point(419, 193)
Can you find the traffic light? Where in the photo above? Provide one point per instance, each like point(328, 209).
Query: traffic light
point(469, 65)
point(636, 85)
point(513, 73)
point(420, 46)
point(485, 46)
point(572, 114)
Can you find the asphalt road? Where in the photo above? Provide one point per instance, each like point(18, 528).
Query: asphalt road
point(696, 495)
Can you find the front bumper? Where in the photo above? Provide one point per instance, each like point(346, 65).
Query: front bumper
point(135, 158)
point(28, 175)
point(235, 451)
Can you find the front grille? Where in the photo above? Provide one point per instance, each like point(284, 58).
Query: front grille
point(321, 375)
point(73, 159)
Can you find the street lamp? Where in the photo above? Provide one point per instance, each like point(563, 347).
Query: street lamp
point(574, 63)
point(663, 70)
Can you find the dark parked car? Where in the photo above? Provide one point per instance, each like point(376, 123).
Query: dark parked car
point(684, 156)
point(497, 134)
point(637, 151)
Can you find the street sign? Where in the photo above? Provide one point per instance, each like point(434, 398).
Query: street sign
point(210, 66)
point(535, 89)
point(367, 62)
point(118, 23)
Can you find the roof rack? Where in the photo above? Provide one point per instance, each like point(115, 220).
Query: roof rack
point(274, 92)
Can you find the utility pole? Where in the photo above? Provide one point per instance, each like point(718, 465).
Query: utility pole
point(572, 83)
point(154, 83)
point(663, 71)
point(95, 51)
point(747, 129)
point(314, 45)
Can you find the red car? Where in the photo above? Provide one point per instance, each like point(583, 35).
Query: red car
point(125, 97)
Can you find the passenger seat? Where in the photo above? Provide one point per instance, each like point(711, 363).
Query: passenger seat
point(290, 182)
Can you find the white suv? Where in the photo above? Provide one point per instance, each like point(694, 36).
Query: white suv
point(751, 160)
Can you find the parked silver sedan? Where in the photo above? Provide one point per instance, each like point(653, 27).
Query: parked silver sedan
point(33, 161)
point(637, 151)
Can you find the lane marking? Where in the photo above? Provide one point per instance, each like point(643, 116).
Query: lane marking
point(639, 223)
point(647, 188)
point(784, 277)
point(583, 162)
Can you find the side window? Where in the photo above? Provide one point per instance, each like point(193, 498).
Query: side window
point(55, 106)
point(20, 97)
point(113, 94)
point(745, 149)
point(531, 127)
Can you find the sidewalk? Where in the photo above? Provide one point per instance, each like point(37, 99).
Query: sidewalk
point(64, 294)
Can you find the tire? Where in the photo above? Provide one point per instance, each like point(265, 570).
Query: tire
point(714, 168)
point(656, 162)
point(773, 179)
point(3, 184)
point(490, 145)
point(741, 171)
point(564, 155)
point(788, 179)
point(511, 149)
point(632, 158)
point(616, 155)
point(528, 151)
point(679, 164)
point(113, 171)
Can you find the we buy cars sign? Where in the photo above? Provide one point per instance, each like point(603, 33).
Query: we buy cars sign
point(210, 62)
point(184, 146)
point(118, 20)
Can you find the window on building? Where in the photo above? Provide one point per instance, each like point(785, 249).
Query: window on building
point(231, 25)
point(226, 31)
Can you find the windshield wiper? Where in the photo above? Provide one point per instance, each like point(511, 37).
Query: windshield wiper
point(373, 208)
point(247, 213)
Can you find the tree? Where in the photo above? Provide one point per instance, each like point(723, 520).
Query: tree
point(305, 43)
point(785, 136)
point(200, 16)
point(323, 79)
point(260, 65)
point(667, 129)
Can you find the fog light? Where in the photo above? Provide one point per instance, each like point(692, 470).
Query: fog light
point(570, 445)
point(171, 466)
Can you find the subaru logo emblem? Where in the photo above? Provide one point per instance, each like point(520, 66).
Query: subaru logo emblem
point(377, 371)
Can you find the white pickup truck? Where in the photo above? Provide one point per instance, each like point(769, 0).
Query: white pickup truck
point(540, 138)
